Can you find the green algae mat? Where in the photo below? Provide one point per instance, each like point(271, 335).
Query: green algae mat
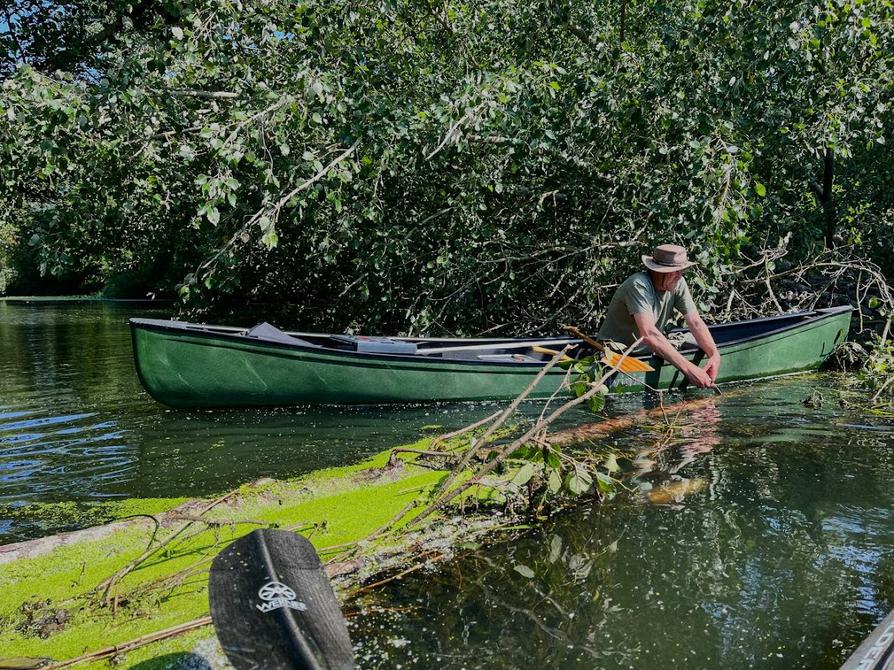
point(68, 596)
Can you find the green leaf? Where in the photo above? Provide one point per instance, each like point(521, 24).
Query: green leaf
point(554, 85)
point(523, 570)
point(177, 32)
point(596, 403)
point(578, 388)
point(578, 482)
point(605, 483)
point(526, 453)
point(213, 215)
point(555, 548)
point(553, 460)
point(760, 189)
point(611, 463)
point(874, 302)
point(554, 482)
point(524, 474)
point(270, 239)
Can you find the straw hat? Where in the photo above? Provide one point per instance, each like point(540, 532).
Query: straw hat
point(668, 258)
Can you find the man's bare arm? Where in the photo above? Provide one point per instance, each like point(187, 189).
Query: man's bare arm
point(705, 341)
point(661, 346)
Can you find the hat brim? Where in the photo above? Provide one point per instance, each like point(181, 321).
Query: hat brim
point(650, 263)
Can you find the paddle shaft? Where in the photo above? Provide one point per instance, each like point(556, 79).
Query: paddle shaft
point(625, 364)
point(495, 345)
point(596, 344)
point(301, 650)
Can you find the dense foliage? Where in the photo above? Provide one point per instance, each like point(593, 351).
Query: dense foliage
point(412, 165)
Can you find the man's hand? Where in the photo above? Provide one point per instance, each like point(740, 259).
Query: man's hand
point(698, 377)
point(705, 341)
point(712, 369)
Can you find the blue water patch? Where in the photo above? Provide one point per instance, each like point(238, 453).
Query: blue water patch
point(44, 421)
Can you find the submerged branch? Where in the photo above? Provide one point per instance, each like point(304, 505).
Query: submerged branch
point(141, 641)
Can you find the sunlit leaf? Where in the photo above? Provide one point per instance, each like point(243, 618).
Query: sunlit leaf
point(555, 548)
point(524, 474)
point(577, 482)
point(523, 570)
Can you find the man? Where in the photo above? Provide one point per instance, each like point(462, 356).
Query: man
point(644, 303)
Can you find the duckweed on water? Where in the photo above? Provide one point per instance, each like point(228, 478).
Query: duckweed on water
point(170, 588)
point(70, 515)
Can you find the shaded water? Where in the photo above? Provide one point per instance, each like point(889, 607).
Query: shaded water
point(783, 559)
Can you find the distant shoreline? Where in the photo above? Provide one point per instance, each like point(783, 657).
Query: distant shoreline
point(78, 298)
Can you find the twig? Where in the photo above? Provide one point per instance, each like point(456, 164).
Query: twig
point(213, 95)
point(400, 574)
point(456, 433)
point(378, 610)
point(214, 523)
point(881, 389)
point(449, 479)
point(421, 452)
point(108, 584)
point(446, 497)
point(454, 128)
point(147, 516)
point(769, 287)
point(141, 641)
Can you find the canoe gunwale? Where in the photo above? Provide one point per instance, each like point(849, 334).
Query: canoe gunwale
point(205, 332)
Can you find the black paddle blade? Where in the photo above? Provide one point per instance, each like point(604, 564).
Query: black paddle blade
point(273, 606)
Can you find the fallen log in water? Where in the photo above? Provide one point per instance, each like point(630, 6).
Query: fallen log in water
point(593, 431)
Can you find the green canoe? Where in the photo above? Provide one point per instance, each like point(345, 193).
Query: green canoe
point(188, 365)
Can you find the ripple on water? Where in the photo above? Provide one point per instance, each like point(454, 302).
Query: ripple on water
point(91, 451)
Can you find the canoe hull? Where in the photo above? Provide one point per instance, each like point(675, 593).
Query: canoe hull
point(190, 371)
point(786, 352)
point(180, 368)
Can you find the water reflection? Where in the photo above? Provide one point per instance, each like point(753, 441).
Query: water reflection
point(682, 437)
point(783, 559)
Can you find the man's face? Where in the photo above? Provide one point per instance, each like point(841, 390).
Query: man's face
point(666, 281)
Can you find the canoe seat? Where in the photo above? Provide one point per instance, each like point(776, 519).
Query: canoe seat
point(508, 358)
point(264, 331)
point(375, 345)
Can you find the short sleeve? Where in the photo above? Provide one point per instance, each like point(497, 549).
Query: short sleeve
point(683, 299)
point(638, 299)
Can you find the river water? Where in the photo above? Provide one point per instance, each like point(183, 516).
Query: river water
point(782, 555)
point(75, 424)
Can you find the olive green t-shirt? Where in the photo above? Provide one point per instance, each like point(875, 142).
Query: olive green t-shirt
point(637, 295)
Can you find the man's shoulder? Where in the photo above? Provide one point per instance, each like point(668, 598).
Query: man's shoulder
point(638, 280)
